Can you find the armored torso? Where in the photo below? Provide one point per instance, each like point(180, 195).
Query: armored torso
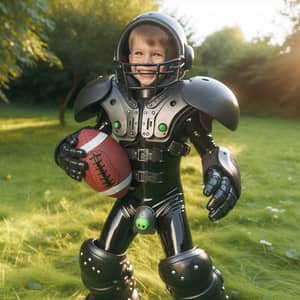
point(148, 131)
point(154, 130)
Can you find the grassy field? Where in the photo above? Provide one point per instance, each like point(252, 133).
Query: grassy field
point(45, 216)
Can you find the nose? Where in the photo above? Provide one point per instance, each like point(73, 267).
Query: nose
point(147, 59)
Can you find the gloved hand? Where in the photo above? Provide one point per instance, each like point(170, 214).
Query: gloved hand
point(68, 157)
point(222, 192)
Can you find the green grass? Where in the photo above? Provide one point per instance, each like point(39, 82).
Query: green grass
point(45, 216)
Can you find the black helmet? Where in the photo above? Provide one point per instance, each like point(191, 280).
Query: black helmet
point(174, 68)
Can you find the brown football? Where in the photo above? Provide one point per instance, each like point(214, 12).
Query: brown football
point(109, 170)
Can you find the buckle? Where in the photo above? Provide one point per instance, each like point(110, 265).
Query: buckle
point(143, 154)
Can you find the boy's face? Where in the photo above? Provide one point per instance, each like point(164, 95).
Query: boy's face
point(143, 52)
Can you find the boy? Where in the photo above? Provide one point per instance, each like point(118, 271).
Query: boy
point(152, 112)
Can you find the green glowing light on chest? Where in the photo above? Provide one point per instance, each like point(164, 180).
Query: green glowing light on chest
point(116, 125)
point(162, 127)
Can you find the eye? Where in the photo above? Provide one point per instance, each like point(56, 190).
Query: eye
point(158, 54)
point(138, 53)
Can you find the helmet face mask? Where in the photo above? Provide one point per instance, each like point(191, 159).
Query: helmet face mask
point(166, 72)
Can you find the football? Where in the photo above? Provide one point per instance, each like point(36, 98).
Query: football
point(109, 170)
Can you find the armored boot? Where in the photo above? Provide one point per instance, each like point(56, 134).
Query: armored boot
point(108, 276)
point(191, 276)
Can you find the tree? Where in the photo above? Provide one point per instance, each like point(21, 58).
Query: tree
point(220, 49)
point(85, 36)
point(22, 38)
point(251, 74)
point(242, 65)
point(288, 63)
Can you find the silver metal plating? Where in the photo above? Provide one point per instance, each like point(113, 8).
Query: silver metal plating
point(158, 116)
point(224, 159)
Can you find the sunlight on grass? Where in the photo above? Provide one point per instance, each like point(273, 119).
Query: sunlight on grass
point(235, 148)
point(19, 123)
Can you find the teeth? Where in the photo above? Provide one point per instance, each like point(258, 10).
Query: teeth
point(146, 72)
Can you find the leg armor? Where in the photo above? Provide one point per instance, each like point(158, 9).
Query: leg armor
point(191, 276)
point(172, 224)
point(108, 276)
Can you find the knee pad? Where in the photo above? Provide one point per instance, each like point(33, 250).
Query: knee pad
point(191, 275)
point(106, 275)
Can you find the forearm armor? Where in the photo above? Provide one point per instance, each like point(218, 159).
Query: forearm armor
point(199, 127)
point(221, 158)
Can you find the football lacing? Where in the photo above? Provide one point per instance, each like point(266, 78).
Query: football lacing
point(102, 171)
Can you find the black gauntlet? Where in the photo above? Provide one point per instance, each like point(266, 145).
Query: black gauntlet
point(222, 181)
point(67, 156)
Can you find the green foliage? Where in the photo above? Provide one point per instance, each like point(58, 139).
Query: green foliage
point(251, 74)
point(290, 56)
point(221, 48)
point(40, 86)
point(22, 38)
point(85, 36)
point(45, 216)
point(86, 33)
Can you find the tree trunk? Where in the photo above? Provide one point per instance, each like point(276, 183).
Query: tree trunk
point(75, 83)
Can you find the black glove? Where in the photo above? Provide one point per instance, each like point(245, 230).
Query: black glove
point(224, 195)
point(68, 157)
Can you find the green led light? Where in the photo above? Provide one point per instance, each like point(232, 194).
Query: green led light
point(162, 127)
point(116, 125)
point(142, 223)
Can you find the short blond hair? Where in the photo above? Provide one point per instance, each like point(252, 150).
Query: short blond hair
point(154, 34)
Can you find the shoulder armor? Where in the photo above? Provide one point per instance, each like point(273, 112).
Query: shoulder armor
point(85, 105)
point(214, 98)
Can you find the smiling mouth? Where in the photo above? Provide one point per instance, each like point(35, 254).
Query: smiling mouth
point(146, 72)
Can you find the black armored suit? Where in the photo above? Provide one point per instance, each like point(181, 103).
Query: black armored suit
point(153, 125)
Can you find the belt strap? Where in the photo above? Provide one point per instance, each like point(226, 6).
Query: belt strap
point(156, 155)
point(145, 154)
point(147, 176)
